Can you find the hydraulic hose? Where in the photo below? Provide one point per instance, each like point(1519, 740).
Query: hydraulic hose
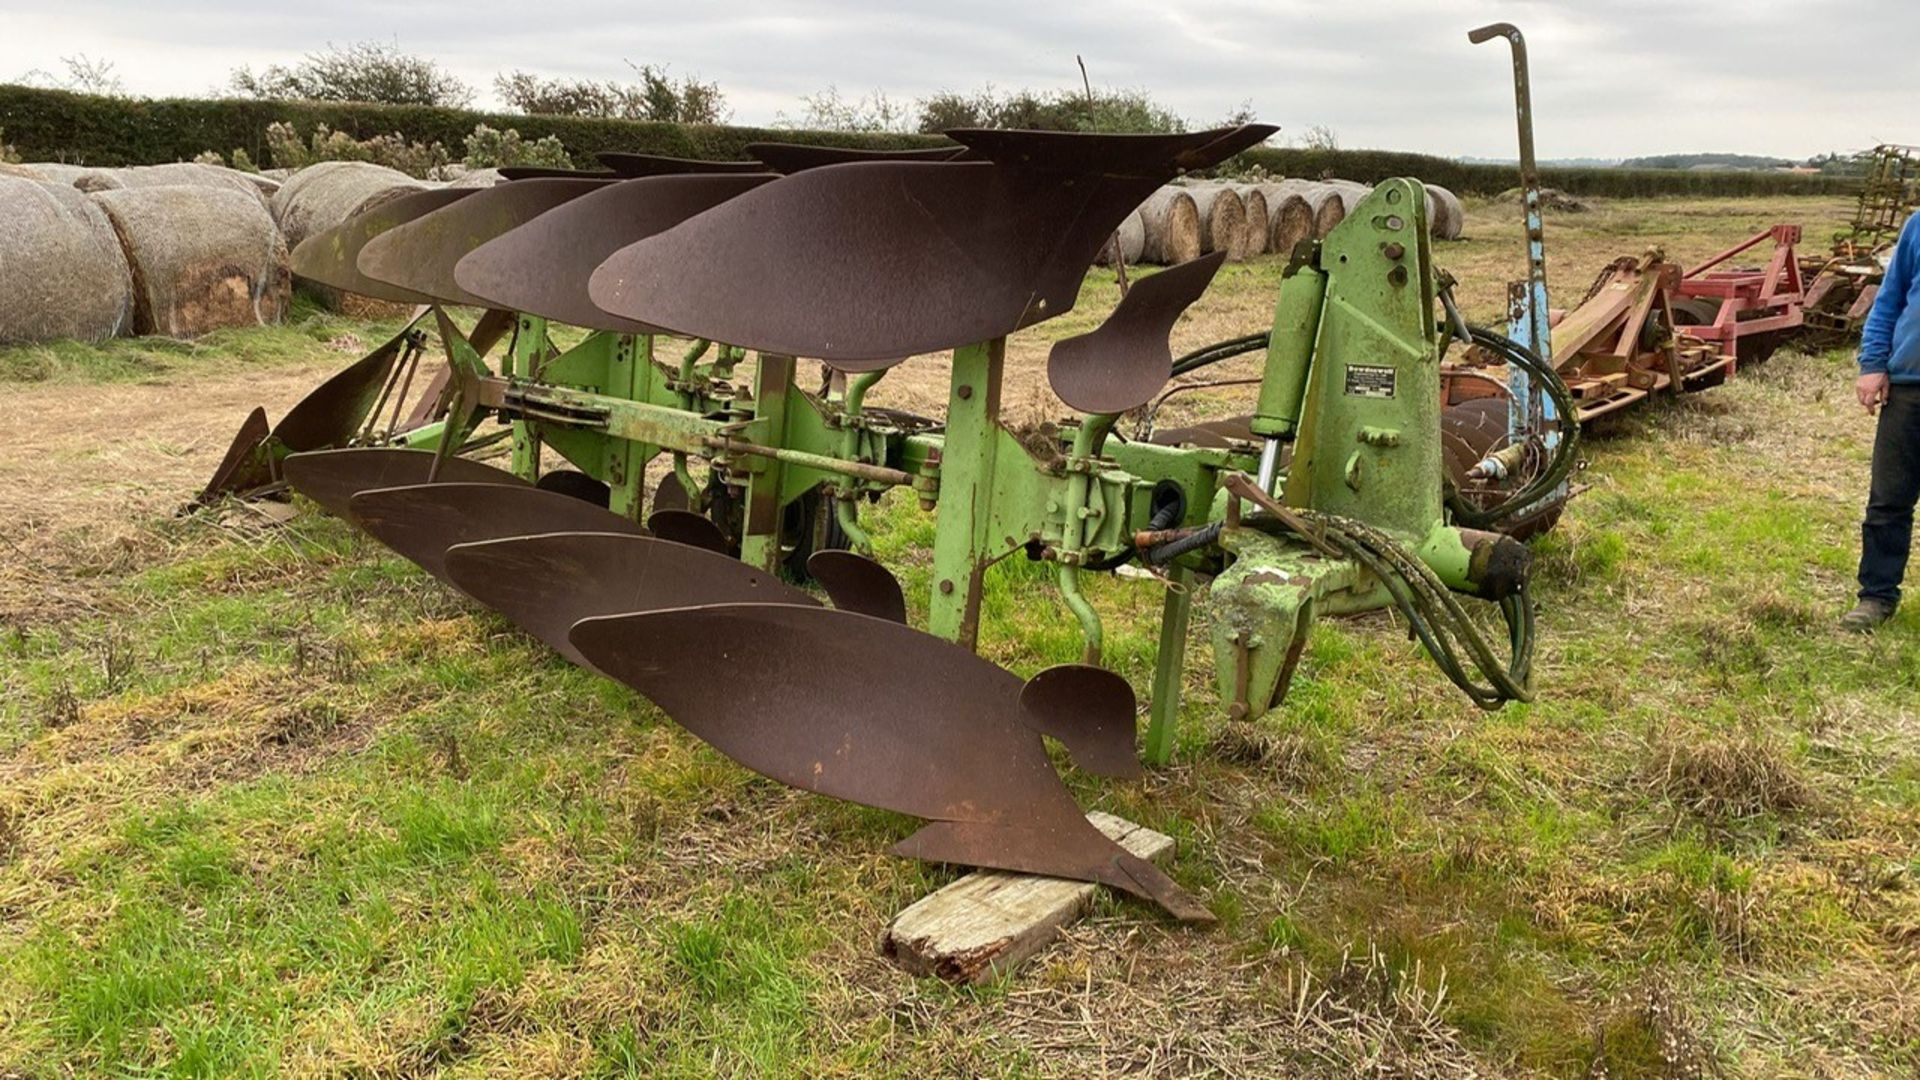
point(1559, 465)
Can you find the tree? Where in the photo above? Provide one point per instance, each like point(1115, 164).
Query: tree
point(1059, 110)
point(656, 96)
point(84, 75)
point(368, 71)
point(1319, 137)
point(828, 111)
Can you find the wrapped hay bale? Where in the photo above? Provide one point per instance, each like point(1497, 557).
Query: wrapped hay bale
point(58, 172)
point(1223, 220)
point(1448, 219)
point(321, 196)
point(1289, 219)
point(1132, 237)
point(1172, 224)
point(178, 174)
point(202, 258)
point(62, 274)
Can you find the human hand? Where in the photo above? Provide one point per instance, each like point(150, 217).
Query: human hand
point(1872, 390)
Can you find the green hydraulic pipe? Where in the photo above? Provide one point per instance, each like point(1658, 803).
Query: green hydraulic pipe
point(1091, 432)
point(696, 499)
point(691, 357)
point(846, 511)
point(848, 516)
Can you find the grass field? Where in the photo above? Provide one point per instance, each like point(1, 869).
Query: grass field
point(274, 803)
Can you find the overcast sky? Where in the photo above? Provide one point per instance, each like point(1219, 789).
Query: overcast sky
point(1612, 78)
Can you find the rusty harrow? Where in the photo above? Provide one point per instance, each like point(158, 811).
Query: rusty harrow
point(674, 274)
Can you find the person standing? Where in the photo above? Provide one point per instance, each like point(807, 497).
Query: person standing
point(1889, 385)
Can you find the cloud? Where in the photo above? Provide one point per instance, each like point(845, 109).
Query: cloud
point(1613, 78)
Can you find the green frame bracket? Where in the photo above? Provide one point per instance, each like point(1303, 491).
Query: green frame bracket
point(760, 530)
point(963, 517)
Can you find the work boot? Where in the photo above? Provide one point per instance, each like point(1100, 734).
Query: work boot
point(1867, 615)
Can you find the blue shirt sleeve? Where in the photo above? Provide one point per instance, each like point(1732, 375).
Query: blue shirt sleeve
point(1876, 337)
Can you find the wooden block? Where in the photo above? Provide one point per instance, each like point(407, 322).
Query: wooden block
point(991, 921)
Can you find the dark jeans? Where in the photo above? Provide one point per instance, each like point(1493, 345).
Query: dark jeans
point(1887, 534)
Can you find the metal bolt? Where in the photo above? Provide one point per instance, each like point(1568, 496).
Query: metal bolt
point(946, 587)
point(1395, 251)
point(965, 392)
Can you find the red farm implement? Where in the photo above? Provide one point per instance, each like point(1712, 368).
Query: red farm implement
point(1749, 311)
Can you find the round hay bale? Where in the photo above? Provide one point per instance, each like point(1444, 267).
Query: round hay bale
point(1259, 218)
point(1328, 208)
point(1172, 223)
point(59, 172)
point(321, 196)
point(1449, 220)
point(1132, 235)
point(1223, 220)
point(178, 174)
point(62, 274)
point(1289, 219)
point(202, 258)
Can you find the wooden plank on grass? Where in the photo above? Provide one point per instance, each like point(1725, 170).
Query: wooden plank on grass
point(991, 921)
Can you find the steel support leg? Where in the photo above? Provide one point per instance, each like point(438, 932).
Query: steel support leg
point(1164, 712)
point(630, 373)
point(760, 539)
point(529, 348)
point(963, 520)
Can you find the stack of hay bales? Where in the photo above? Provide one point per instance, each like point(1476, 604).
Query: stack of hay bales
point(63, 274)
point(166, 249)
point(1183, 221)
